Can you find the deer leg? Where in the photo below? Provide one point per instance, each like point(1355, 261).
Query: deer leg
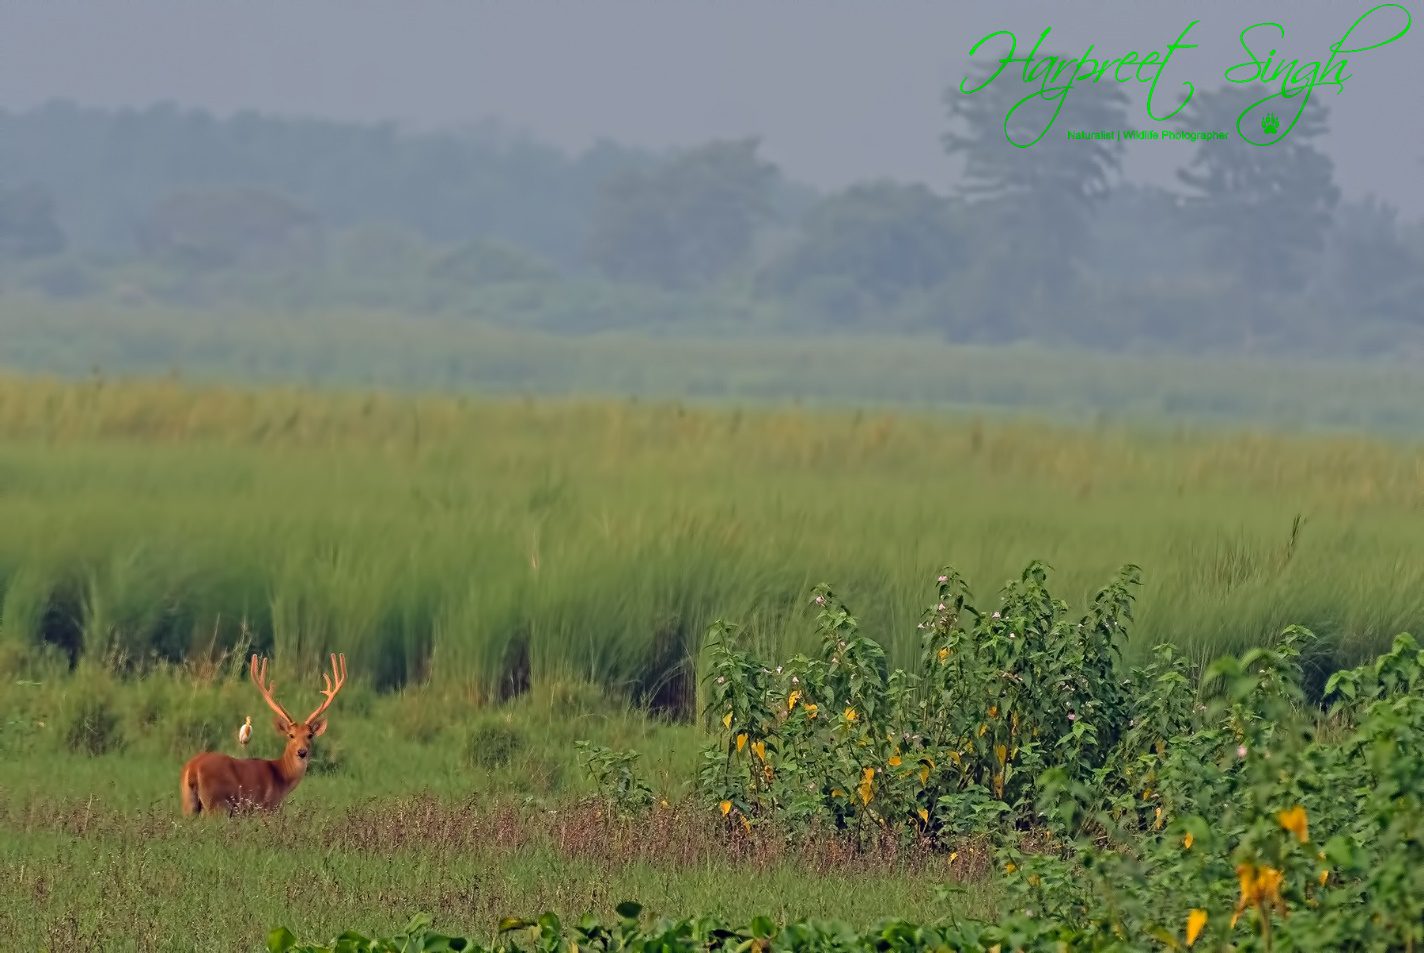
point(188, 792)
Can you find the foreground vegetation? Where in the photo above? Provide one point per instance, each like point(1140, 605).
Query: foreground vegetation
point(423, 800)
point(1152, 808)
point(1017, 788)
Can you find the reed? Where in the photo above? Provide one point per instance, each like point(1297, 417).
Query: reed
point(494, 543)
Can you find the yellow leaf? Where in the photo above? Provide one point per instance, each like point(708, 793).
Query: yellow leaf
point(791, 700)
point(1294, 820)
point(1324, 876)
point(993, 711)
point(759, 749)
point(741, 741)
point(894, 761)
point(1268, 885)
point(747, 825)
point(952, 855)
point(944, 655)
point(837, 792)
point(1260, 886)
point(983, 728)
point(867, 785)
point(1002, 753)
point(726, 808)
point(727, 720)
point(850, 714)
point(924, 815)
point(1157, 824)
point(1010, 867)
point(810, 710)
point(1188, 841)
point(1246, 876)
point(1196, 919)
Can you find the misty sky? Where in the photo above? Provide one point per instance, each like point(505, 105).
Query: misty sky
point(838, 90)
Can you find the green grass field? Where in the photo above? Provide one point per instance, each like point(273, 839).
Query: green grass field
point(473, 542)
point(505, 576)
point(416, 802)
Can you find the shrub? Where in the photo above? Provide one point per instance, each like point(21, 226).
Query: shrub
point(329, 756)
point(999, 703)
point(192, 730)
point(1154, 807)
point(493, 742)
point(92, 726)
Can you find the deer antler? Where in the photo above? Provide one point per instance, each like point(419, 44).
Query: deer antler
point(338, 671)
point(260, 677)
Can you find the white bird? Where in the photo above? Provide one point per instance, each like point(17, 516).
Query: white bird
point(244, 734)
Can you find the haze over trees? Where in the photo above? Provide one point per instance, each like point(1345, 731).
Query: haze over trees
point(1255, 249)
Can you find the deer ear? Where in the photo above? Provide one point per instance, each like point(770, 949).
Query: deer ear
point(319, 728)
point(281, 725)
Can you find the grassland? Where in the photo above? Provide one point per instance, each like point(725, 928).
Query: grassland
point(494, 543)
point(420, 801)
point(707, 363)
point(563, 556)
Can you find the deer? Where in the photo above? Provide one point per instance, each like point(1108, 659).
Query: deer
point(212, 781)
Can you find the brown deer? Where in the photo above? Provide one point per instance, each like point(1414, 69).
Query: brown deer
point(212, 781)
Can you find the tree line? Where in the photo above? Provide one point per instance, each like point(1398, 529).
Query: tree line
point(1254, 248)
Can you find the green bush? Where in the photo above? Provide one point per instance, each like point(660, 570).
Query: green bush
point(1151, 807)
point(493, 742)
point(194, 729)
point(92, 726)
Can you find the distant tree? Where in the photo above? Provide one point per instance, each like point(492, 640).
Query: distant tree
point(1267, 208)
point(1371, 268)
point(112, 167)
point(28, 228)
point(867, 247)
point(221, 228)
point(485, 261)
point(685, 221)
point(1038, 202)
point(379, 250)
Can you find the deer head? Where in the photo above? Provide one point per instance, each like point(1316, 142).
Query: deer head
point(300, 735)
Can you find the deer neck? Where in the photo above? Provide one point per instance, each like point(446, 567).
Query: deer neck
point(290, 769)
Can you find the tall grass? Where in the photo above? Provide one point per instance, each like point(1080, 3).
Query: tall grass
point(487, 544)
